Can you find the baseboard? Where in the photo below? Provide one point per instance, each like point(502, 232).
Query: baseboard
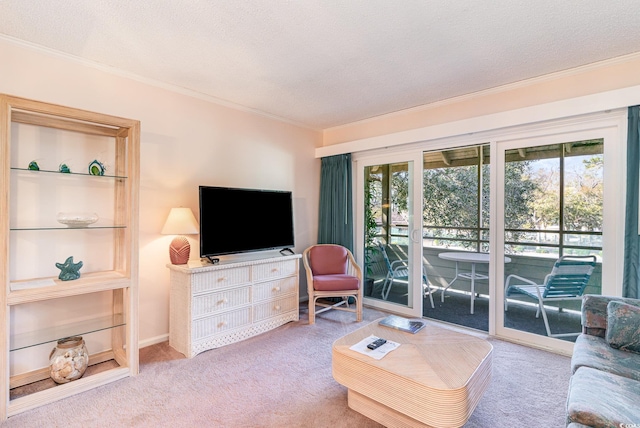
point(153, 340)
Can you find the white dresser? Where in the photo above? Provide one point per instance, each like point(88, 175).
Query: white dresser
point(215, 305)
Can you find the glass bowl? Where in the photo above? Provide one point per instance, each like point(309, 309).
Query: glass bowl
point(77, 219)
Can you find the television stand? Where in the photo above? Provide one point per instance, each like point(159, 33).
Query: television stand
point(287, 252)
point(213, 260)
point(215, 305)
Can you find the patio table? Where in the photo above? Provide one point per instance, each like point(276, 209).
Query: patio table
point(467, 257)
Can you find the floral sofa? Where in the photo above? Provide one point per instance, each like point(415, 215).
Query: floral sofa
point(605, 385)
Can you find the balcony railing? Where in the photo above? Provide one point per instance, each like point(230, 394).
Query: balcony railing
point(530, 258)
point(530, 242)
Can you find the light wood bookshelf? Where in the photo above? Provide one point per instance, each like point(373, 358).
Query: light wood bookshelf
point(117, 285)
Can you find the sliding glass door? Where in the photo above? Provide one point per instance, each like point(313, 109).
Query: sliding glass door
point(389, 237)
point(456, 234)
point(444, 225)
point(556, 230)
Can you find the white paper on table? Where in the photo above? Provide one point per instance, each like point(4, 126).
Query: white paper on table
point(378, 353)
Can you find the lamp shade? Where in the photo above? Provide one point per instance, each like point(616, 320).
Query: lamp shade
point(180, 222)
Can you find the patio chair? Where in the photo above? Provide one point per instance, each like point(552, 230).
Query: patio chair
point(567, 281)
point(398, 270)
point(332, 272)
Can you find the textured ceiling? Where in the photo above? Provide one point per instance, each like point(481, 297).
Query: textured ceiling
point(323, 63)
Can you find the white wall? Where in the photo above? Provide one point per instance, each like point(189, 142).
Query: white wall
point(185, 141)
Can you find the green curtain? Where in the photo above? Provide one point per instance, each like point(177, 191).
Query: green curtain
point(631, 278)
point(335, 224)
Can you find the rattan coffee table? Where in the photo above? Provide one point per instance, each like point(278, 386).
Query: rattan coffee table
point(435, 378)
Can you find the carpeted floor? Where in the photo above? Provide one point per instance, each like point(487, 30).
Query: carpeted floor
point(283, 379)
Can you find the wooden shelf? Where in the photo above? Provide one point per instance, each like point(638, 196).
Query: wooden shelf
point(87, 283)
point(31, 401)
point(29, 234)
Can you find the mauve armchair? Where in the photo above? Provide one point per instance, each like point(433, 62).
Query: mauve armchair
point(332, 272)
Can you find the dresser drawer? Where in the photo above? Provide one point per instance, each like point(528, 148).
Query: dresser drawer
point(202, 282)
point(272, 308)
point(211, 303)
point(266, 271)
point(274, 289)
point(208, 326)
point(216, 305)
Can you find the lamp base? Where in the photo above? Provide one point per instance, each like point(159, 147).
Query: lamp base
point(179, 250)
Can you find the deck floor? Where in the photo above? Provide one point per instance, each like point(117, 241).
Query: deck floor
point(456, 306)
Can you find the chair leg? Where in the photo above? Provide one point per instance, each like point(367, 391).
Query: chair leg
point(546, 320)
point(387, 283)
point(427, 290)
point(312, 310)
point(386, 296)
point(326, 307)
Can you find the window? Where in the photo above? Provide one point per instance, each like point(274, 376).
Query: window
point(553, 199)
point(456, 198)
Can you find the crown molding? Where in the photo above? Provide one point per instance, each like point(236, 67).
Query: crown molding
point(148, 81)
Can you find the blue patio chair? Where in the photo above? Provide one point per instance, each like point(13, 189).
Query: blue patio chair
point(567, 281)
point(398, 270)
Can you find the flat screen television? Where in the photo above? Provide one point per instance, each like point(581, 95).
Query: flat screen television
point(234, 220)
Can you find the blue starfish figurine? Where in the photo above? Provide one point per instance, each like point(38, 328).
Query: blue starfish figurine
point(69, 270)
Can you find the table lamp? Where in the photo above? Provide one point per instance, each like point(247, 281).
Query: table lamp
point(180, 222)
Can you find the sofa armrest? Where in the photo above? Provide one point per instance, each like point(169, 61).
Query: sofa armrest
point(594, 312)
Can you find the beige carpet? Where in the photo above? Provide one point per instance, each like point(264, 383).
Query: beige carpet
point(283, 379)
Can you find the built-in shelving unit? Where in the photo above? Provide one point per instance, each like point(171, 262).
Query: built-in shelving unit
point(37, 308)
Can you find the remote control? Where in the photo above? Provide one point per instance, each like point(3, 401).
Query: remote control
point(376, 344)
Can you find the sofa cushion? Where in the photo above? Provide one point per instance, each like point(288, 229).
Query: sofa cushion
point(594, 312)
point(595, 352)
point(601, 399)
point(623, 326)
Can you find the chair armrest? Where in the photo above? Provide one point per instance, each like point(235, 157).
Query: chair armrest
point(353, 268)
point(594, 312)
point(507, 283)
point(402, 263)
point(309, 274)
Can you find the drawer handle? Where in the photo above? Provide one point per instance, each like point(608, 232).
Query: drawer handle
point(277, 308)
point(276, 288)
point(222, 323)
point(275, 270)
point(223, 301)
point(222, 279)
